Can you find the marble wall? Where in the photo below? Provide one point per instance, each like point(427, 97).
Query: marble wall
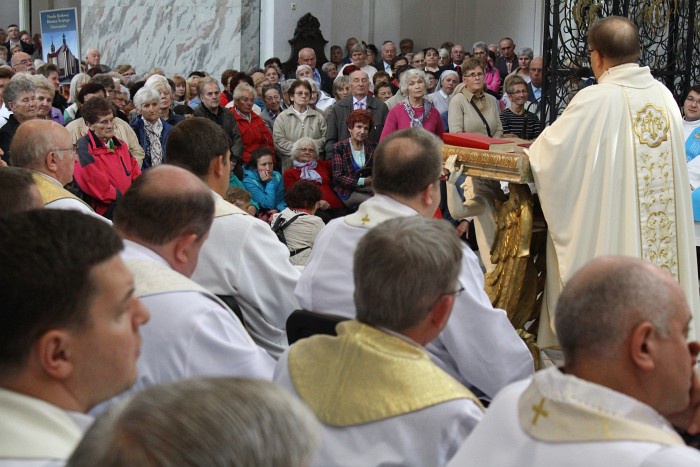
point(178, 36)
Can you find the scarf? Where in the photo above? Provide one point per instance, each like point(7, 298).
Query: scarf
point(307, 171)
point(417, 122)
point(155, 149)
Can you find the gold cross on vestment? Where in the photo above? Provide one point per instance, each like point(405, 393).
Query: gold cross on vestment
point(539, 410)
point(365, 219)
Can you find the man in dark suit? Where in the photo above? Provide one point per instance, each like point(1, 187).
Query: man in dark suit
point(534, 87)
point(307, 56)
point(457, 55)
point(13, 36)
point(360, 99)
point(508, 61)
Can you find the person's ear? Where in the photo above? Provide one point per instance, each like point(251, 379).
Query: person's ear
point(643, 345)
point(441, 311)
point(184, 249)
point(54, 353)
point(217, 166)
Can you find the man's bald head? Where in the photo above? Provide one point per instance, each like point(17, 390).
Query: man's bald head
point(616, 38)
point(406, 162)
point(536, 71)
point(307, 56)
point(35, 139)
point(164, 203)
point(606, 299)
point(22, 61)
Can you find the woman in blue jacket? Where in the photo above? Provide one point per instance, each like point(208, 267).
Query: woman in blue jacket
point(263, 183)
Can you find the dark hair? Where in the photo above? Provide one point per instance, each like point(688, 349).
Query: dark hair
point(158, 216)
point(272, 60)
point(46, 69)
point(6, 72)
point(94, 71)
point(397, 59)
point(360, 116)
point(381, 74)
point(201, 74)
point(195, 143)
point(238, 77)
point(401, 69)
point(428, 49)
point(372, 48)
point(406, 162)
point(104, 79)
point(382, 84)
point(15, 184)
point(296, 84)
point(303, 194)
point(45, 269)
point(695, 88)
point(135, 87)
point(257, 154)
point(96, 108)
point(226, 75)
point(616, 38)
point(182, 109)
point(90, 88)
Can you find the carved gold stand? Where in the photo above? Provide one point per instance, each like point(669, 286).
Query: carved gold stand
point(518, 250)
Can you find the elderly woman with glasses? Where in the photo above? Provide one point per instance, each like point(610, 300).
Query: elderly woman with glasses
point(416, 110)
point(297, 121)
point(306, 166)
point(471, 108)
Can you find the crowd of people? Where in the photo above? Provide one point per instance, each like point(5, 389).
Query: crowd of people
point(176, 224)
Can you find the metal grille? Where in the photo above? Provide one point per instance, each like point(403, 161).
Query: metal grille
point(669, 32)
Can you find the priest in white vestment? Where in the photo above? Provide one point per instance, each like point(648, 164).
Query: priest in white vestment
point(242, 257)
point(611, 173)
point(479, 346)
point(69, 335)
point(621, 385)
point(380, 398)
point(191, 333)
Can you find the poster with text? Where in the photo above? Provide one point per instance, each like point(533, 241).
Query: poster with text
point(60, 40)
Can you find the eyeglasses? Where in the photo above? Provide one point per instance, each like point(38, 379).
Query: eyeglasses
point(475, 75)
point(26, 61)
point(456, 294)
point(301, 93)
point(73, 149)
point(690, 100)
point(479, 53)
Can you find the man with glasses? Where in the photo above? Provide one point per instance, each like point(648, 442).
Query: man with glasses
point(534, 87)
point(479, 346)
point(22, 62)
point(46, 148)
point(13, 38)
point(611, 173)
point(406, 276)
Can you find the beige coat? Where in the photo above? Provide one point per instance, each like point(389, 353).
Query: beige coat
point(461, 116)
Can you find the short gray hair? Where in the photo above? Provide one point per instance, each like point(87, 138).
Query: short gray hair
point(605, 300)
point(409, 74)
point(402, 267)
point(528, 52)
point(206, 421)
point(327, 65)
point(480, 45)
point(303, 141)
point(40, 82)
point(241, 88)
point(304, 67)
point(358, 48)
point(77, 80)
point(144, 96)
point(18, 84)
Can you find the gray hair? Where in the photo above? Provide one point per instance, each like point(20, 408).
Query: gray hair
point(40, 82)
point(18, 84)
point(77, 80)
point(144, 96)
point(241, 88)
point(402, 267)
point(206, 421)
point(304, 141)
point(326, 66)
point(285, 85)
point(480, 45)
point(358, 48)
point(340, 82)
point(410, 74)
point(528, 52)
point(304, 67)
point(443, 52)
point(606, 299)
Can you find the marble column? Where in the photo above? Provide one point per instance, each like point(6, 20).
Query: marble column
point(177, 36)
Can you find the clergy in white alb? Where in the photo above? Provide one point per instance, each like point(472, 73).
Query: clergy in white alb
point(191, 332)
point(68, 340)
point(46, 148)
point(242, 257)
point(479, 346)
point(611, 173)
point(621, 387)
point(373, 387)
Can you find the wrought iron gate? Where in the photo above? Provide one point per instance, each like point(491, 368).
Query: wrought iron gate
point(669, 32)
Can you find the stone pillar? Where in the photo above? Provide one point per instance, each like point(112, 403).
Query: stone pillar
point(177, 36)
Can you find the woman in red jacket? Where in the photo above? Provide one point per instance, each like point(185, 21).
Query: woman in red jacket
point(254, 132)
point(306, 166)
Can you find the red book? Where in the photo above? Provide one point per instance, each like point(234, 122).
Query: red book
point(476, 141)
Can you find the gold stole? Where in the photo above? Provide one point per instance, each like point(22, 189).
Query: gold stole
point(656, 185)
point(370, 214)
point(554, 421)
point(33, 428)
point(365, 375)
point(50, 191)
